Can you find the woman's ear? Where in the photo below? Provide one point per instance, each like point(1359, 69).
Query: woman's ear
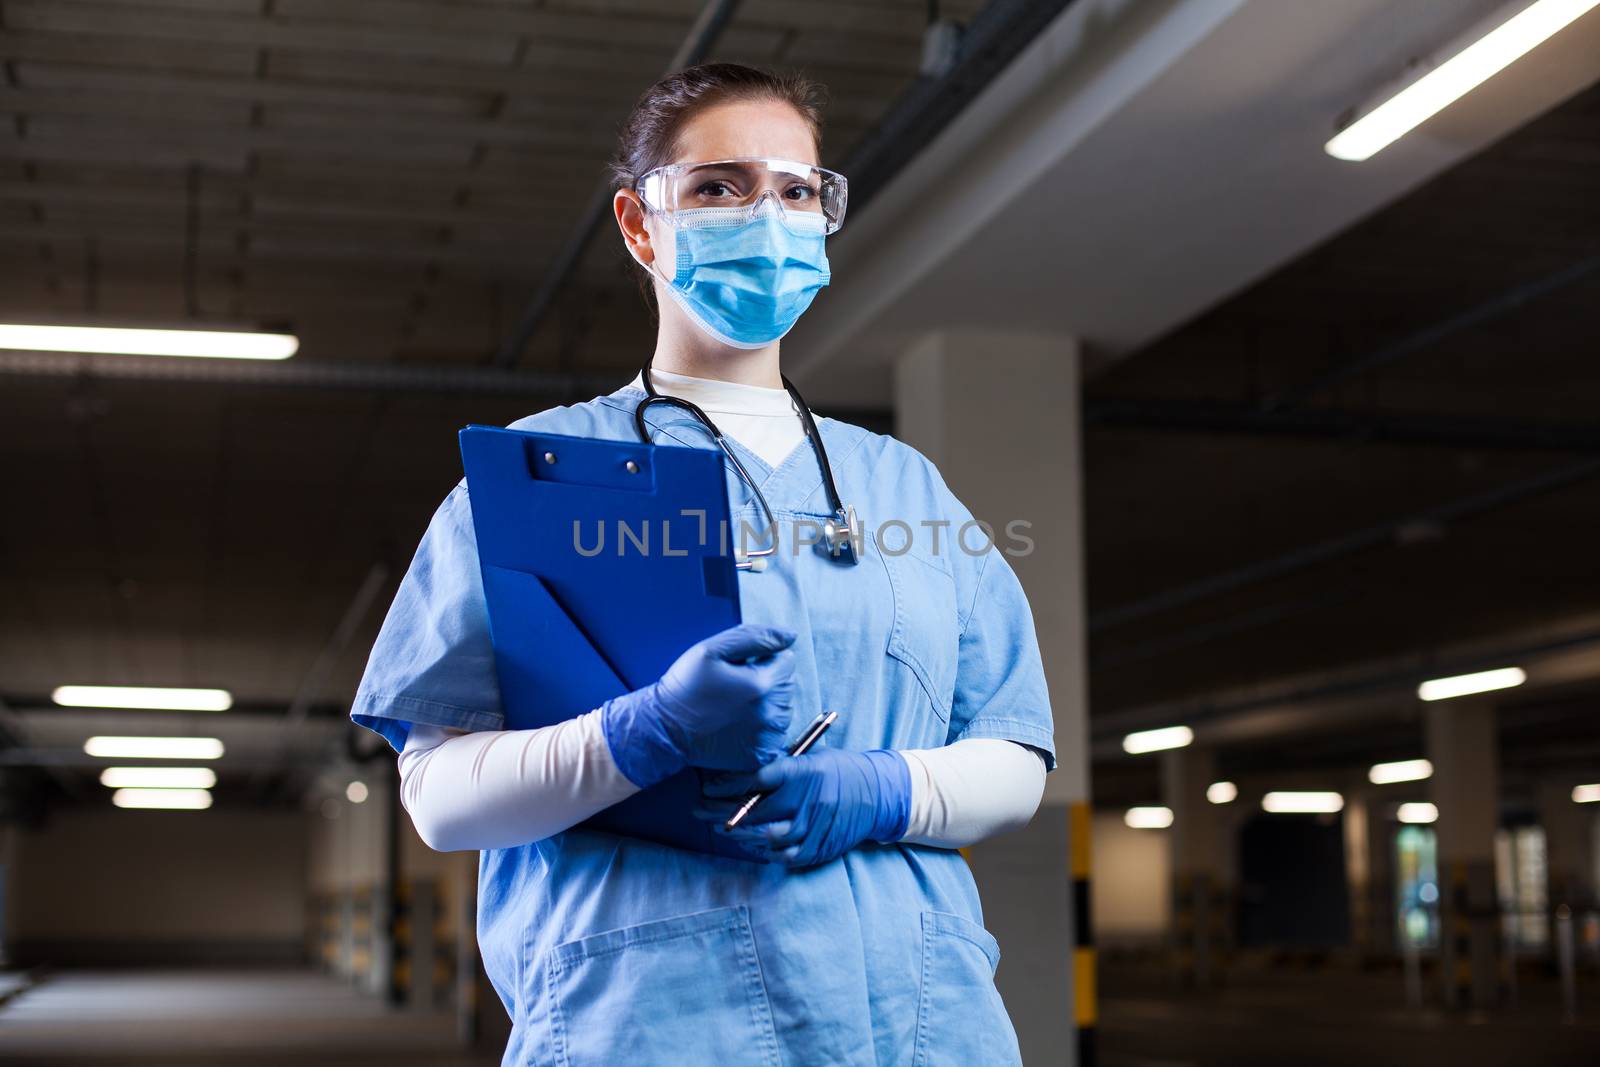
point(630, 213)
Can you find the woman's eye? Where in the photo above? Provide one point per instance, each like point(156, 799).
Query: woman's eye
point(715, 189)
point(800, 193)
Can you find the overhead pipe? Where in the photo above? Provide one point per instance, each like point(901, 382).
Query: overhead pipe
point(315, 374)
point(1508, 301)
point(16, 735)
point(708, 26)
point(1366, 427)
point(987, 45)
point(1392, 532)
point(1112, 725)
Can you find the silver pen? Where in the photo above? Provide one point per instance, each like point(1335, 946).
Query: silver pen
point(818, 727)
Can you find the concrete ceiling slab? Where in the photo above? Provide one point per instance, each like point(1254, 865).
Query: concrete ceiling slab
point(1142, 162)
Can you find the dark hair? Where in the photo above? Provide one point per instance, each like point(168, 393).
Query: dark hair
point(649, 138)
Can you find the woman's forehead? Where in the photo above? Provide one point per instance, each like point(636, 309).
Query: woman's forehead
point(761, 128)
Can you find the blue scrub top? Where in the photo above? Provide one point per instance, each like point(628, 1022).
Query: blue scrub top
point(610, 950)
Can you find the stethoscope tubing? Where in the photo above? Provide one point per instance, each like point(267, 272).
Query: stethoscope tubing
point(806, 421)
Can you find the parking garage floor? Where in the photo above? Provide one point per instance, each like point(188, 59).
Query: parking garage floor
point(1322, 1018)
point(200, 1018)
point(1266, 1018)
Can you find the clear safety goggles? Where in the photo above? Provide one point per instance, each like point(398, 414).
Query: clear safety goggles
point(743, 183)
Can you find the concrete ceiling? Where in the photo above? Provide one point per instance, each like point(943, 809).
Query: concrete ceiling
point(390, 178)
point(1144, 161)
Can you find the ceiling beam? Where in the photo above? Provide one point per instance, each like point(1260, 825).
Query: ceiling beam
point(1377, 427)
point(14, 729)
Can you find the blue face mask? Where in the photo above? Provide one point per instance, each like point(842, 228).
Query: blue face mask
point(746, 275)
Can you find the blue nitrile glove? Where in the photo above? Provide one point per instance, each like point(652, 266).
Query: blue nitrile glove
point(818, 806)
point(724, 704)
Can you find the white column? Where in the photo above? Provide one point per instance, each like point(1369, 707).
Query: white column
point(1465, 751)
point(998, 413)
point(1369, 872)
point(1201, 872)
point(1569, 843)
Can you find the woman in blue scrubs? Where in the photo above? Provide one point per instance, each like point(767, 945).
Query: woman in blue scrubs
point(852, 934)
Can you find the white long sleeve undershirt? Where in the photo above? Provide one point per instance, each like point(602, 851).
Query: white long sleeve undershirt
point(763, 420)
point(970, 790)
point(498, 789)
point(503, 788)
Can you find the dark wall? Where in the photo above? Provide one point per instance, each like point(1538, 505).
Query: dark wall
point(1292, 882)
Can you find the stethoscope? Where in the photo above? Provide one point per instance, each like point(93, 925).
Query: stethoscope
point(841, 534)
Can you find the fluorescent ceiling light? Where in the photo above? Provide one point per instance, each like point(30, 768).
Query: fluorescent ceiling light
point(1421, 812)
point(1311, 803)
point(143, 697)
point(154, 747)
point(356, 792)
point(1406, 770)
point(1455, 77)
point(158, 777)
point(166, 799)
point(1157, 740)
point(1586, 794)
point(1462, 685)
point(1148, 818)
point(1222, 792)
point(209, 344)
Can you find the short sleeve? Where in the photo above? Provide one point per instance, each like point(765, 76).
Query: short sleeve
point(1000, 688)
point(433, 661)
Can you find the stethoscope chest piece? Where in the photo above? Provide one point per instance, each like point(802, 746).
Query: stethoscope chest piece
point(841, 535)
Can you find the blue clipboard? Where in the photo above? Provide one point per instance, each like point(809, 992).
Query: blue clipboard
point(602, 561)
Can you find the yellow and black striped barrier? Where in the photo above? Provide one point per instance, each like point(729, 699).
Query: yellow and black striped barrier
point(1085, 1000)
point(424, 946)
point(1460, 935)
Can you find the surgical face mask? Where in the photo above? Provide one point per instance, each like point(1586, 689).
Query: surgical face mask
point(747, 274)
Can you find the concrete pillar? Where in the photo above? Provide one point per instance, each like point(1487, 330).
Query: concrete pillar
point(1202, 876)
point(1369, 846)
point(8, 864)
point(1358, 870)
point(1464, 748)
point(345, 960)
point(384, 800)
point(1569, 842)
point(421, 947)
point(463, 900)
point(999, 414)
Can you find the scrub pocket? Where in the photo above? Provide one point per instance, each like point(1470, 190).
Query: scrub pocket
point(960, 1018)
point(685, 990)
point(926, 635)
